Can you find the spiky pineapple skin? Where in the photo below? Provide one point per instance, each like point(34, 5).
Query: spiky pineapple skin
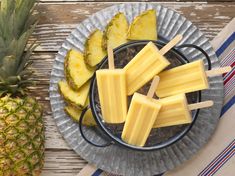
point(21, 136)
point(148, 30)
point(115, 33)
point(78, 98)
point(75, 114)
point(94, 52)
point(85, 73)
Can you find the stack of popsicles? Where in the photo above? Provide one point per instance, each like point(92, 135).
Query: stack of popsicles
point(145, 113)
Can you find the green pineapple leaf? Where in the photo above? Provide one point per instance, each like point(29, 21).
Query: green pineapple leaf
point(7, 7)
point(8, 65)
point(23, 14)
point(17, 22)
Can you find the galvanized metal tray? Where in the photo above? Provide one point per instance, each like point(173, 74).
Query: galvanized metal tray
point(123, 161)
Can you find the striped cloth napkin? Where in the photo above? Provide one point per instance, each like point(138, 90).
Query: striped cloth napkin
point(217, 157)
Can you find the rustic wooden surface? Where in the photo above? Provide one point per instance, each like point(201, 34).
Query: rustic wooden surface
point(59, 17)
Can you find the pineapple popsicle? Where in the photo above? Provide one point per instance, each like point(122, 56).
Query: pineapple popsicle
point(176, 111)
point(186, 78)
point(112, 92)
point(141, 116)
point(146, 64)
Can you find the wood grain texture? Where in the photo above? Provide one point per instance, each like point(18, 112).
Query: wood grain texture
point(54, 27)
point(135, 1)
point(62, 163)
point(58, 19)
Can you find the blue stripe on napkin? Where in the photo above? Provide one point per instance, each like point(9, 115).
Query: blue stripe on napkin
point(228, 105)
point(225, 44)
point(97, 172)
point(219, 161)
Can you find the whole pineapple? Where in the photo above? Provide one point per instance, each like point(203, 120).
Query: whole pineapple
point(21, 124)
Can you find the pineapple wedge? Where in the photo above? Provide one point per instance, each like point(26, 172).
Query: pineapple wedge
point(116, 31)
point(76, 71)
point(75, 114)
point(144, 27)
point(75, 98)
point(94, 52)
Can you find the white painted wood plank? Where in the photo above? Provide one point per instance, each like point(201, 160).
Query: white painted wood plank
point(55, 27)
point(62, 163)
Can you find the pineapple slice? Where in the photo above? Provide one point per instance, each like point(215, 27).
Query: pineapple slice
point(75, 114)
point(76, 71)
point(116, 31)
point(75, 98)
point(94, 52)
point(144, 27)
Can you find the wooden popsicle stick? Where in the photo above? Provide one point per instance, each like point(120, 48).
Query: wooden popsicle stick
point(218, 71)
point(110, 58)
point(153, 87)
point(200, 105)
point(171, 44)
point(87, 170)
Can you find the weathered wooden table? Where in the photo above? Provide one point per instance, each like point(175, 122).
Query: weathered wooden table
point(59, 17)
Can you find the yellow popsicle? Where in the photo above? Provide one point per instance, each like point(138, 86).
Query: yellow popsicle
point(141, 116)
point(183, 79)
point(142, 68)
point(146, 64)
point(176, 111)
point(112, 92)
point(186, 78)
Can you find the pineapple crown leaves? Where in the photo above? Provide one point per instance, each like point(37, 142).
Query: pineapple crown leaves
point(17, 22)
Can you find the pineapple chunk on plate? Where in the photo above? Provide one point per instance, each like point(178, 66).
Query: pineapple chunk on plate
point(116, 31)
point(75, 98)
point(144, 26)
point(94, 52)
point(75, 114)
point(76, 71)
